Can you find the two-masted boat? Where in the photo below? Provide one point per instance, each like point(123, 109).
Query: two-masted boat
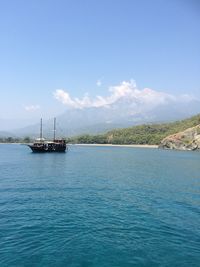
point(42, 145)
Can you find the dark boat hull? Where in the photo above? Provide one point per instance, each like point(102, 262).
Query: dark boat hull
point(43, 148)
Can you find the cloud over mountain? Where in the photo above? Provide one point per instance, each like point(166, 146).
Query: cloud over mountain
point(124, 106)
point(125, 93)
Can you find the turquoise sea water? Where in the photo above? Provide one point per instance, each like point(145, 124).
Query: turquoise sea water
point(99, 206)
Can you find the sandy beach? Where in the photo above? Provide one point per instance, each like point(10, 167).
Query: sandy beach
point(110, 145)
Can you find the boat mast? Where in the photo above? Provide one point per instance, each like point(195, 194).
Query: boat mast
point(41, 129)
point(54, 129)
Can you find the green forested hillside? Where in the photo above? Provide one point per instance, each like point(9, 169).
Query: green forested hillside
point(142, 134)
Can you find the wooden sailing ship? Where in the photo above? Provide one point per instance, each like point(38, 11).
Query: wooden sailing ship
point(42, 145)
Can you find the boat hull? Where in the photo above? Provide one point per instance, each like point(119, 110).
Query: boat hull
point(43, 148)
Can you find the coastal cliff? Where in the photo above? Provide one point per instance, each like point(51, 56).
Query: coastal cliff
point(185, 140)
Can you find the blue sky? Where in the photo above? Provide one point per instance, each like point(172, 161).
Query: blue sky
point(70, 45)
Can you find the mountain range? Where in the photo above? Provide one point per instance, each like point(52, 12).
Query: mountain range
point(120, 114)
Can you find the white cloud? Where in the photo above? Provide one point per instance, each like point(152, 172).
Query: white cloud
point(124, 93)
point(32, 107)
point(99, 83)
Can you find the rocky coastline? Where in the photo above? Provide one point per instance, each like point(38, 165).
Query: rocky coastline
point(186, 140)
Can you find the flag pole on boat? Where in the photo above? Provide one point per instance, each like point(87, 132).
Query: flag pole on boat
point(54, 129)
point(41, 129)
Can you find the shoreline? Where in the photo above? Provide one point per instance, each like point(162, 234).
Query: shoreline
point(103, 145)
point(14, 143)
point(115, 145)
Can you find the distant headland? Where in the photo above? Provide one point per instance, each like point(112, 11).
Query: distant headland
point(181, 135)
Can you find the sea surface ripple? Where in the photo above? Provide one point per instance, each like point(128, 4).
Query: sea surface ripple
point(99, 206)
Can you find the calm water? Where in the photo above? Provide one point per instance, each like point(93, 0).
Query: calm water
point(99, 206)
